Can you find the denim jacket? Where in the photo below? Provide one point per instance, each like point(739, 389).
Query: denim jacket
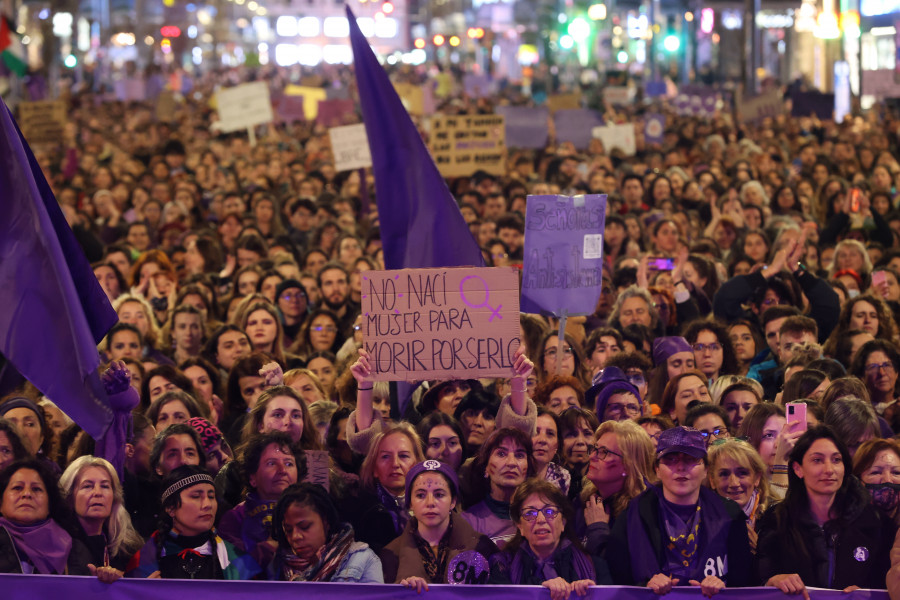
point(361, 565)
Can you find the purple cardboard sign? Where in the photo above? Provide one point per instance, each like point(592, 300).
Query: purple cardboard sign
point(331, 112)
point(575, 125)
point(290, 108)
point(477, 86)
point(563, 270)
point(526, 127)
point(654, 128)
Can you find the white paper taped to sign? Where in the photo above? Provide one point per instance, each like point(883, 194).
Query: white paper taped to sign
point(244, 106)
point(593, 246)
point(617, 136)
point(350, 147)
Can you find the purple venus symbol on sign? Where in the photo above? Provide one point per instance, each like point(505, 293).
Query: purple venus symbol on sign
point(495, 312)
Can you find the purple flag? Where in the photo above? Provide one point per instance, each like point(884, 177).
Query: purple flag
point(563, 269)
point(54, 311)
point(421, 225)
point(805, 104)
point(654, 128)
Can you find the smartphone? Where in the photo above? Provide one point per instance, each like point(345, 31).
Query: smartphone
point(661, 263)
point(878, 278)
point(854, 200)
point(796, 416)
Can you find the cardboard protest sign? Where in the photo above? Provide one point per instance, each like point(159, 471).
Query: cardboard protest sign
point(350, 147)
point(757, 108)
point(617, 136)
point(332, 112)
point(465, 144)
point(526, 127)
point(570, 101)
point(166, 105)
point(563, 270)
point(42, 121)
point(412, 97)
point(575, 125)
point(654, 128)
point(311, 98)
point(441, 323)
point(291, 108)
point(698, 101)
point(318, 468)
point(618, 95)
point(244, 106)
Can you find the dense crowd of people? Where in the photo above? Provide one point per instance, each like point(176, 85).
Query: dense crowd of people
point(726, 416)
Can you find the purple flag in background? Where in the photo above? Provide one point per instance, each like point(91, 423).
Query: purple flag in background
point(575, 125)
point(526, 127)
point(806, 104)
point(654, 128)
point(421, 225)
point(54, 311)
point(563, 270)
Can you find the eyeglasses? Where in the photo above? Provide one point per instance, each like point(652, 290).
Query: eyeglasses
point(291, 297)
point(718, 432)
point(602, 452)
point(630, 408)
point(325, 328)
point(727, 440)
point(677, 458)
point(549, 512)
point(552, 351)
point(874, 367)
point(701, 348)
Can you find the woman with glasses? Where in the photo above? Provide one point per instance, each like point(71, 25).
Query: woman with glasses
point(614, 397)
point(713, 352)
point(877, 464)
point(621, 461)
point(571, 363)
point(825, 533)
point(679, 532)
point(710, 420)
point(737, 472)
point(545, 550)
point(876, 364)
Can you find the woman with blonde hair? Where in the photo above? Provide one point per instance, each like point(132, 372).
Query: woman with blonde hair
point(621, 461)
point(91, 487)
point(135, 310)
point(737, 472)
point(379, 513)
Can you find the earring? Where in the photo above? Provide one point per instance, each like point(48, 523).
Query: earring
point(486, 475)
point(624, 474)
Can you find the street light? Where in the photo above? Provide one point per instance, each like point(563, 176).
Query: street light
point(579, 29)
point(671, 43)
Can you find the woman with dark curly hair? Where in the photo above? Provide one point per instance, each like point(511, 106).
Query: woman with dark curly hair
point(713, 352)
point(558, 393)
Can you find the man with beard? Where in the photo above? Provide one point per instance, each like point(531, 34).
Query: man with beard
point(334, 286)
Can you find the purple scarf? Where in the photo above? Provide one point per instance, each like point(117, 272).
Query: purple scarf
point(46, 544)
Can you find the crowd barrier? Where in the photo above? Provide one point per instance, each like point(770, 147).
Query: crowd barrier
point(39, 587)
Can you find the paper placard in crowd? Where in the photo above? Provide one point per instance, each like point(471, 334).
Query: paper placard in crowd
point(569, 101)
point(462, 145)
point(617, 136)
point(441, 323)
point(618, 95)
point(412, 97)
point(291, 108)
point(350, 147)
point(244, 106)
point(477, 86)
point(311, 98)
point(767, 104)
point(526, 127)
point(880, 84)
point(131, 90)
point(318, 468)
point(43, 121)
point(563, 270)
point(575, 125)
point(166, 105)
point(333, 112)
point(654, 128)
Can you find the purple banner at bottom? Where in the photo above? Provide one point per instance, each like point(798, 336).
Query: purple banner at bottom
point(28, 587)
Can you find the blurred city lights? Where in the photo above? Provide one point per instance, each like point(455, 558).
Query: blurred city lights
point(453, 41)
point(419, 43)
point(597, 12)
point(672, 43)
point(566, 42)
point(438, 40)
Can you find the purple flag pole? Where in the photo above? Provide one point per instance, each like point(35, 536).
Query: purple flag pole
point(54, 311)
point(421, 225)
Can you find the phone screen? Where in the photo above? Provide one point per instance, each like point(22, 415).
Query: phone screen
point(661, 264)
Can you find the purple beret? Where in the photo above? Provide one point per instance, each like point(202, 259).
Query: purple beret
point(665, 347)
point(431, 465)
